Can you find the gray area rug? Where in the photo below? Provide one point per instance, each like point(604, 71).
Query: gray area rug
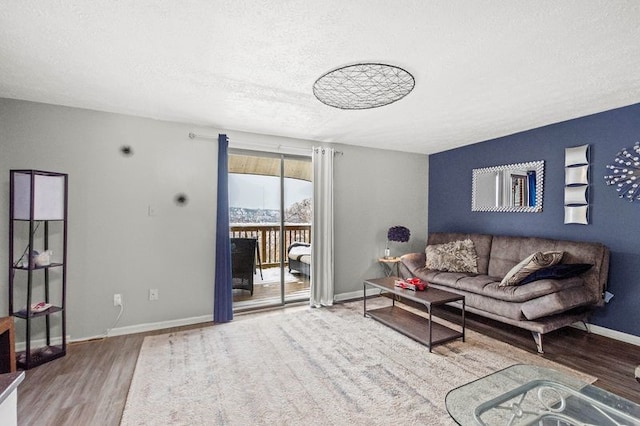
point(328, 366)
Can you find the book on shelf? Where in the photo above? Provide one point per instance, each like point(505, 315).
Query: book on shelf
point(36, 308)
point(519, 190)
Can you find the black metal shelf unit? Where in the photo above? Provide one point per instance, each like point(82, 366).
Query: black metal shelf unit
point(38, 199)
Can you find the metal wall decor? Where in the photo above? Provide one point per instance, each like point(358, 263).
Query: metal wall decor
point(576, 181)
point(363, 86)
point(624, 173)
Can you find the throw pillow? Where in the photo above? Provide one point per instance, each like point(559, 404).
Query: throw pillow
point(558, 272)
point(529, 265)
point(454, 256)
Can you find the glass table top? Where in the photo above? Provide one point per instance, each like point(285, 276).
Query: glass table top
point(532, 395)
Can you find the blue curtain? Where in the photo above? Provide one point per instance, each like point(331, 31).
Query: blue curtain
point(223, 292)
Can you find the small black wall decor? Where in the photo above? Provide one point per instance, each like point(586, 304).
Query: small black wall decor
point(126, 150)
point(181, 199)
point(625, 173)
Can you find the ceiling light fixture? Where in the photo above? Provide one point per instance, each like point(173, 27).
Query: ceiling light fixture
point(363, 86)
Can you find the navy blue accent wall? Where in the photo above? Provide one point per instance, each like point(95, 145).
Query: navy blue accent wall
point(613, 221)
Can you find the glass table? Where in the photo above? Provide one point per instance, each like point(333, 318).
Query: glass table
point(532, 395)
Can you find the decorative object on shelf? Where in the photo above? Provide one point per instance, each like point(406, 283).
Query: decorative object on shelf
point(40, 306)
point(41, 259)
point(576, 181)
point(398, 234)
point(38, 200)
point(414, 284)
point(363, 86)
point(512, 188)
point(624, 173)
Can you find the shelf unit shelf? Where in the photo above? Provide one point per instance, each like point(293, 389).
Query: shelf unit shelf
point(36, 268)
point(38, 199)
point(22, 314)
point(40, 355)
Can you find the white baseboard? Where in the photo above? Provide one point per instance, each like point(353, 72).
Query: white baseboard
point(356, 294)
point(121, 331)
point(613, 334)
point(141, 328)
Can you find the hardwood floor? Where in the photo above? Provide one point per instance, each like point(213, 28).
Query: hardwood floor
point(89, 386)
point(86, 387)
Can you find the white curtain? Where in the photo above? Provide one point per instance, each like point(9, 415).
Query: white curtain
point(322, 287)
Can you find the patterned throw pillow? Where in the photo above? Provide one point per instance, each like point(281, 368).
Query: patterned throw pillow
point(529, 265)
point(455, 256)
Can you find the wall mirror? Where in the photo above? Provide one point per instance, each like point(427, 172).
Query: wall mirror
point(509, 188)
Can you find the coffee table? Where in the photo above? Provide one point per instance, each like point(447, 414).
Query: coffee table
point(532, 395)
point(419, 328)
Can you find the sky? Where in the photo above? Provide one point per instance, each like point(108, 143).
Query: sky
point(263, 192)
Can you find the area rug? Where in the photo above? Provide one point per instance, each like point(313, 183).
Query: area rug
point(304, 366)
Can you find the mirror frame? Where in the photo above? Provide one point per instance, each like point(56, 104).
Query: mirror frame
point(538, 166)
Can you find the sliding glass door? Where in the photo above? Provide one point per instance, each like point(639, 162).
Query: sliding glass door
point(270, 228)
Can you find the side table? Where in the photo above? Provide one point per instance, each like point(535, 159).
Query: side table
point(390, 265)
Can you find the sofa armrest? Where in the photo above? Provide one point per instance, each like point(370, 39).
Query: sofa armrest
point(414, 261)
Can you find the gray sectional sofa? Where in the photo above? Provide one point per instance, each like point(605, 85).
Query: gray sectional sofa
point(540, 306)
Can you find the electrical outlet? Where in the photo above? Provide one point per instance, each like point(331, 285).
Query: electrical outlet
point(153, 294)
point(117, 299)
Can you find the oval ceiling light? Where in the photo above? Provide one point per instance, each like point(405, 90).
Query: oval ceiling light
point(363, 86)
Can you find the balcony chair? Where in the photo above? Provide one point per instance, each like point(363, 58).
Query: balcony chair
point(243, 262)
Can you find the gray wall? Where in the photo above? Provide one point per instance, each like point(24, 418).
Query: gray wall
point(116, 247)
point(374, 190)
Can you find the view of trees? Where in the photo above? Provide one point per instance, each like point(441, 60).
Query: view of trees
point(299, 212)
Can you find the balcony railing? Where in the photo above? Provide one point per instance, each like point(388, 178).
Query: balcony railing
point(269, 239)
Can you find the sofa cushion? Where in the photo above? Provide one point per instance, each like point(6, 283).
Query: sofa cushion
point(557, 272)
point(507, 251)
point(556, 303)
point(454, 256)
point(530, 264)
point(490, 286)
point(481, 242)
point(511, 310)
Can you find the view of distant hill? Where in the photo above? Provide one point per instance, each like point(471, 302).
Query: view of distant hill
point(242, 215)
point(299, 212)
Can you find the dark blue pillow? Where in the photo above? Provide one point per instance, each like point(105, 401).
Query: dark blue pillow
point(557, 272)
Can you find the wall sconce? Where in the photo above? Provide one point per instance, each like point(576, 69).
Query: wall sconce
point(576, 185)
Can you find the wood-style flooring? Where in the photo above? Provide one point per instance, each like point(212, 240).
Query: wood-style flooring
point(89, 386)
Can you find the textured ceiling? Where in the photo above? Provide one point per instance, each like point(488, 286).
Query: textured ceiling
point(483, 69)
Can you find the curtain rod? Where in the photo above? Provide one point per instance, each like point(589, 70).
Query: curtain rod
point(278, 147)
